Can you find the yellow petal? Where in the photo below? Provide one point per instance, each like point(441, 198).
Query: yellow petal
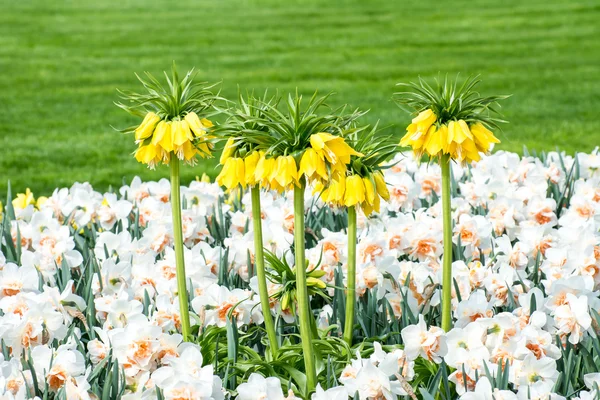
point(227, 151)
point(162, 136)
point(147, 126)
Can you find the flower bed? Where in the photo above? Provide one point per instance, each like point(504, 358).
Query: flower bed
point(89, 305)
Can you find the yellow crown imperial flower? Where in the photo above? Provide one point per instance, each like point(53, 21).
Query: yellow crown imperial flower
point(370, 193)
point(263, 170)
point(148, 154)
point(355, 191)
point(461, 146)
point(232, 174)
point(335, 191)
point(171, 123)
point(147, 126)
point(313, 166)
point(199, 127)
point(162, 136)
point(181, 132)
point(483, 137)
point(419, 131)
point(250, 163)
point(381, 186)
point(333, 148)
point(285, 173)
point(228, 151)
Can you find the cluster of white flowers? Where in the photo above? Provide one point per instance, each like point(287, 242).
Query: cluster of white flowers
point(527, 275)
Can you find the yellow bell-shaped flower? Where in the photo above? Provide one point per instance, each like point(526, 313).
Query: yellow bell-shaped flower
point(181, 132)
point(263, 170)
point(355, 191)
point(147, 126)
point(285, 172)
point(381, 186)
point(227, 151)
point(232, 173)
point(312, 166)
point(333, 148)
point(162, 136)
point(147, 154)
point(250, 163)
point(483, 137)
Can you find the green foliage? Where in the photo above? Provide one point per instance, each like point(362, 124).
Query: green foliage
point(450, 101)
point(174, 100)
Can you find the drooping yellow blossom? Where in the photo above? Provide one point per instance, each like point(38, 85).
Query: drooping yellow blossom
point(181, 132)
point(418, 131)
point(163, 136)
point(200, 129)
point(313, 166)
point(436, 140)
point(232, 174)
point(186, 138)
point(285, 173)
point(369, 190)
point(263, 170)
point(483, 137)
point(148, 154)
point(463, 142)
point(334, 149)
point(250, 163)
point(461, 146)
point(355, 191)
point(334, 193)
point(147, 126)
point(381, 186)
point(227, 151)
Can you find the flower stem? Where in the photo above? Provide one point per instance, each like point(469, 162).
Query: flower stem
point(259, 261)
point(178, 244)
point(301, 288)
point(351, 289)
point(447, 267)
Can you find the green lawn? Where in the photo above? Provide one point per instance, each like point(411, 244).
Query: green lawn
point(61, 61)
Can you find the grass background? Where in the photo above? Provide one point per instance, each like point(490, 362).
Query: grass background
point(61, 61)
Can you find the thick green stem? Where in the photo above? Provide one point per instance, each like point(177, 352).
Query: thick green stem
point(351, 287)
point(259, 262)
point(178, 244)
point(304, 312)
point(447, 267)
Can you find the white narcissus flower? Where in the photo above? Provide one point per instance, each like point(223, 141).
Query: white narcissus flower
point(475, 307)
point(484, 391)
point(573, 317)
point(258, 388)
point(14, 279)
point(218, 302)
point(427, 343)
point(186, 378)
point(335, 393)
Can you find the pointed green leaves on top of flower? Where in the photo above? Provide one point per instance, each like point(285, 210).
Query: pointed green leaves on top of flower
point(451, 118)
point(282, 141)
point(174, 118)
point(451, 102)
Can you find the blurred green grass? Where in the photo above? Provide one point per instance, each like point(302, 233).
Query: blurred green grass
point(60, 63)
